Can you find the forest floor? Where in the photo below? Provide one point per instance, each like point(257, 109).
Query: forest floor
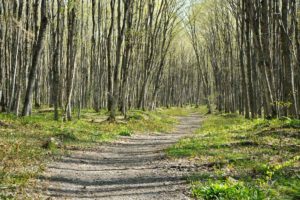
point(131, 168)
point(37, 144)
point(177, 153)
point(240, 159)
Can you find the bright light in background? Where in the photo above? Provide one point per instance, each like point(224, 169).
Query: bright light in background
point(186, 7)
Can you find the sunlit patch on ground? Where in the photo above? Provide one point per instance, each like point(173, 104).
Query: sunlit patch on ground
point(244, 159)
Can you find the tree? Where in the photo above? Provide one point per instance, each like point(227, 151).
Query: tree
point(36, 52)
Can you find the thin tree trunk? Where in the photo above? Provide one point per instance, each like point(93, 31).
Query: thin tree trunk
point(37, 49)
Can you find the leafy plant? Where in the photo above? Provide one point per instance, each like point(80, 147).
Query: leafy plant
point(125, 132)
point(260, 152)
point(227, 190)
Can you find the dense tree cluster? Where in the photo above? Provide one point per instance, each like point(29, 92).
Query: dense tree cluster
point(238, 55)
point(114, 54)
point(248, 55)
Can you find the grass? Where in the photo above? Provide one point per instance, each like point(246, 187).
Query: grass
point(27, 143)
point(182, 111)
point(228, 189)
point(261, 156)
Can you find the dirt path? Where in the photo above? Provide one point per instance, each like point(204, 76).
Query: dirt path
point(132, 168)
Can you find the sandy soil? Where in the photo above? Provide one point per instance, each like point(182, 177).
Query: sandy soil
point(132, 168)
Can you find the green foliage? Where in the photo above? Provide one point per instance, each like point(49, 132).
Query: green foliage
point(67, 135)
point(262, 124)
point(137, 116)
point(226, 190)
point(257, 152)
point(26, 143)
point(282, 104)
point(156, 121)
point(125, 132)
point(6, 197)
point(184, 111)
point(292, 123)
point(269, 170)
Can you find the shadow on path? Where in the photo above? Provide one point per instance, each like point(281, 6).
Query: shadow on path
point(133, 168)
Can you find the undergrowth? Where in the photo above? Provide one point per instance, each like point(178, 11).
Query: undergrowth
point(261, 156)
point(27, 143)
point(228, 189)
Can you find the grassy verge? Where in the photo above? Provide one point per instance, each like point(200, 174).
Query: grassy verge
point(27, 143)
point(244, 159)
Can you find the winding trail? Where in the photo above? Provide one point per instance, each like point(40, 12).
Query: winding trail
point(131, 168)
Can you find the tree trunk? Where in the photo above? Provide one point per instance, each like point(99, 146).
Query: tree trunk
point(37, 49)
point(288, 87)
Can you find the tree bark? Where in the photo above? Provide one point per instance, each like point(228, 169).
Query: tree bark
point(37, 49)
